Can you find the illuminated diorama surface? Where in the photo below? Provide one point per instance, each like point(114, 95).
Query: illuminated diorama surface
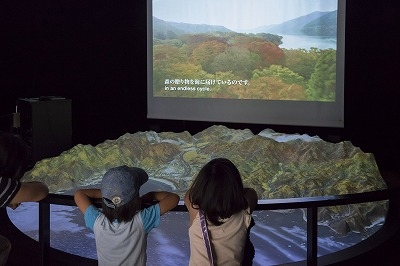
point(276, 165)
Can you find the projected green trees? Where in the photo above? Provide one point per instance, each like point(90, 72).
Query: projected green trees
point(240, 66)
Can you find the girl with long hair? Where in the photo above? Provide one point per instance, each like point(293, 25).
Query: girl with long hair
point(218, 195)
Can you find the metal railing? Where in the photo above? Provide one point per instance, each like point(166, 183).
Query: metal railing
point(310, 203)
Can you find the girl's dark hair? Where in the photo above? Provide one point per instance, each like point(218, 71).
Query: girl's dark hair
point(15, 156)
point(218, 190)
point(124, 213)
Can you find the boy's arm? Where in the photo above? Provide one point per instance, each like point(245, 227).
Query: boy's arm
point(83, 198)
point(251, 197)
point(166, 200)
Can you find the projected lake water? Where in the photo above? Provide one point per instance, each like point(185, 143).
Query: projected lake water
point(307, 42)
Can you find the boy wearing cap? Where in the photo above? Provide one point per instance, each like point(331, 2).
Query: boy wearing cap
point(121, 227)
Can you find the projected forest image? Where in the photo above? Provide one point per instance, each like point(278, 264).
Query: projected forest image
point(270, 61)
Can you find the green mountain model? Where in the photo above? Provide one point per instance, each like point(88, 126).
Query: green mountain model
point(276, 165)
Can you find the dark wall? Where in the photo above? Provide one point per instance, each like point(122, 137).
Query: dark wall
point(94, 52)
point(372, 119)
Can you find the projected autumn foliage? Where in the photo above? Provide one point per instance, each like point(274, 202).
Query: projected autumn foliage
point(240, 66)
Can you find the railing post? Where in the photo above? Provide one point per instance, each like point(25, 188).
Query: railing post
point(312, 234)
point(44, 232)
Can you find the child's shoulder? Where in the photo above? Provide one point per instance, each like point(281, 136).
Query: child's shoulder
point(150, 211)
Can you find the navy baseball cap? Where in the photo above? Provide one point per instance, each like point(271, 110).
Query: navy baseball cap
point(121, 184)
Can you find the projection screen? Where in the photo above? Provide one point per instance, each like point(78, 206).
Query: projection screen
point(255, 61)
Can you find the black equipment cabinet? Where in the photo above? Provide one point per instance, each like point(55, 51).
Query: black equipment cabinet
point(46, 125)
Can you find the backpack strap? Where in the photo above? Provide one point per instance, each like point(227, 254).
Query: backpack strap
point(206, 238)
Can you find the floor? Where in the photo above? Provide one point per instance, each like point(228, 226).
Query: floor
point(25, 251)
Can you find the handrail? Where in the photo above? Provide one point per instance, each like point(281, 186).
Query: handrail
point(311, 203)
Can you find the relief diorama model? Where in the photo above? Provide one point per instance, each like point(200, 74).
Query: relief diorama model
point(276, 165)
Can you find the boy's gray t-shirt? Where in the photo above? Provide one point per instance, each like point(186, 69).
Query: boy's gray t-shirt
point(122, 243)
